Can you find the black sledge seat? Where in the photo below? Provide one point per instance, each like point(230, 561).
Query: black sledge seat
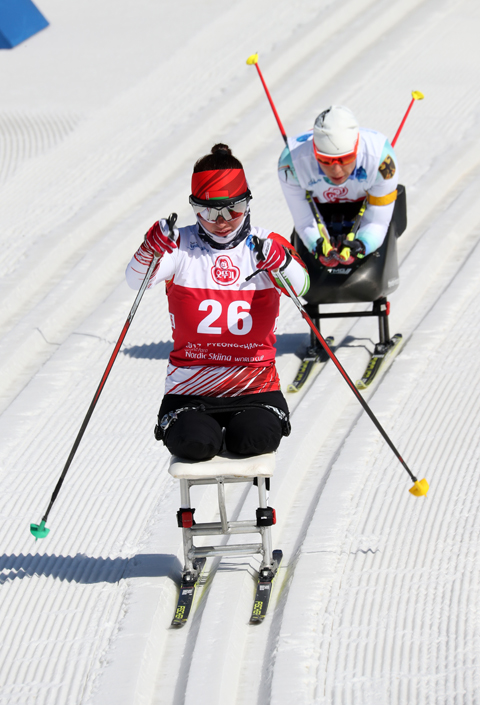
point(372, 278)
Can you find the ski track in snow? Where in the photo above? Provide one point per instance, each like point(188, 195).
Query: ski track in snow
point(25, 135)
point(375, 601)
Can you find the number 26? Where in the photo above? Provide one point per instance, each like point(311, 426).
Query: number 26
point(239, 320)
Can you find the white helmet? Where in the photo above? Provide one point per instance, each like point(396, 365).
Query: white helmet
point(336, 131)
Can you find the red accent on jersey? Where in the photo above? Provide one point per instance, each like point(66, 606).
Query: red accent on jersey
point(224, 272)
point(219, 183)
point(222, 327)
point(222, 381)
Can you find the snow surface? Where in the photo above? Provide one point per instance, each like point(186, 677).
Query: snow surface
point(102, 116)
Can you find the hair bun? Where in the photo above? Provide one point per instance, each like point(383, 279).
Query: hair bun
point(220, 158)
point(221, 148)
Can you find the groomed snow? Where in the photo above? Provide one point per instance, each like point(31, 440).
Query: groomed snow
point(102, 117)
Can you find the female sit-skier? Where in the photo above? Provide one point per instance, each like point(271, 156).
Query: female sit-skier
point(222, 388)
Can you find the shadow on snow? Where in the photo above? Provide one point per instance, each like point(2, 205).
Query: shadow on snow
point(87, 569)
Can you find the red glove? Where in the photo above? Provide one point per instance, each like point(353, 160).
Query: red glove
point(273, 253)
point(159, 238)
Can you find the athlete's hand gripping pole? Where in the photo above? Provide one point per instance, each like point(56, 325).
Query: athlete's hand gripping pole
point(329, 258)
point(40, 530)
point(420, 487)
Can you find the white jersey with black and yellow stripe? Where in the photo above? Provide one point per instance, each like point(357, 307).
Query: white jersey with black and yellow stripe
point(375, 176)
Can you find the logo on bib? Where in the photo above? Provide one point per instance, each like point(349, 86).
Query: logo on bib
point(335, 195)
point(224, 272)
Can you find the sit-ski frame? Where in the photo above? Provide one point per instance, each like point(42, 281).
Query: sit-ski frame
point(221, 470)
point(224, 527)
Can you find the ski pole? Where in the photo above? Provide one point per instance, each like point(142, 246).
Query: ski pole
point(416, 95)
point(40, 530)
point(420, 487)
point(253, 61)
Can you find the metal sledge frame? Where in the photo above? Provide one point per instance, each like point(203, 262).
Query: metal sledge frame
point(260, 525)
point(381, 309)
point(225, 527)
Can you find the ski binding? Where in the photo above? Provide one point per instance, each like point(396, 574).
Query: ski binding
point(187, 593)
point(265, 582)
point(383, 353)
point(314, 355)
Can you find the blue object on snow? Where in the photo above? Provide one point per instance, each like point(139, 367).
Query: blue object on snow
point(19, 19)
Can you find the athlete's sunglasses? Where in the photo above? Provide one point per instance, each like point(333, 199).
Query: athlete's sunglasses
point(330, 160)
point(228, 210)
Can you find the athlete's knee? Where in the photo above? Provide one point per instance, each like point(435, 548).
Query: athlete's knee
point(194, 436)
point(253, 432)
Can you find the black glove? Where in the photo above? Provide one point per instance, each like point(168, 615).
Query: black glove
point(323, 248)
point(352, 247)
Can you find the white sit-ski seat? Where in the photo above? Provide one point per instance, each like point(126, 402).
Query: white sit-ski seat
point(224, 465)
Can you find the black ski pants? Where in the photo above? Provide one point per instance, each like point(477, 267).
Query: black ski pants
point(198, 428)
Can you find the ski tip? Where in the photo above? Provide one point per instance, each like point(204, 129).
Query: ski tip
point(252, 60)
point(420, 488)
point(292, 388)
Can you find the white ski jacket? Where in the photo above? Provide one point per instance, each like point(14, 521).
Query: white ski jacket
point(375, 176)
